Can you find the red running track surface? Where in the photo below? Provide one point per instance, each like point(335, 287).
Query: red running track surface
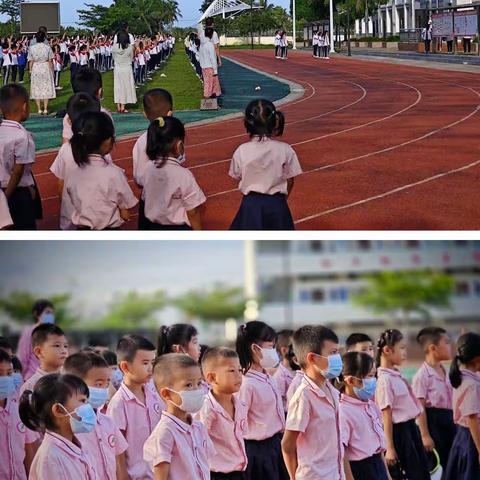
point(382, 147)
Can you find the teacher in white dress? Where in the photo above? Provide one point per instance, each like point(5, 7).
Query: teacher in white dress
point(123, 83)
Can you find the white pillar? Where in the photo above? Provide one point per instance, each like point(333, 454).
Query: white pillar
point(405, 15)
point(294, 25)
point(381, 25)
point(388, 26)
point(331, 32)
point(413, 14)
point(250, 287)
point(358, 29)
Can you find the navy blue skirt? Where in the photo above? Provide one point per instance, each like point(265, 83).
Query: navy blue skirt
point(259, 211)
point(411, 453)
point(265, 459)
point(228, 476)
point(463, 461)
point(443, 430)
point(369, 468)
point(23, 206)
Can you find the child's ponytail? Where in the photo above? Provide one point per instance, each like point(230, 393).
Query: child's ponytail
point(161, 137)
point(388, 338)
point(279, 124)
point(178, 334)
point(455, 374)
point(468, 349)
point(27, 412)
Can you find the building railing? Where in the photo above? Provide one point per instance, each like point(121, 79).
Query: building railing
point(411, 35)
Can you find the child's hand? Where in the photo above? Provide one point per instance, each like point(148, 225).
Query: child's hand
point(391, 457)
point(124, 215)
point(428, 443)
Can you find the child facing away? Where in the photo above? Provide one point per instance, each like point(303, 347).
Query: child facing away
point(284, 373)
point(360, 342)
point(5, 217)
point(135, 408)
point(179, 447)
point(17, 156)
point(171, 194)
point(105, 444)
point(265, 169)
point(431, 385)
point(51, 349)
point(400, 408)
point(464, 375)
point(311, 444)
point(255, 346)
point(98, 191)
point(224, 414)
point(361, 428)
point(157, 102)
point(19, 443)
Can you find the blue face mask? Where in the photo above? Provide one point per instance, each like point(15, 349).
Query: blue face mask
point(88, 419)
point(98, 396)
point(335, 366)
point(17, 380)
point(48, 318)
point(7, 387)
point(368, 390)
point(117, 378)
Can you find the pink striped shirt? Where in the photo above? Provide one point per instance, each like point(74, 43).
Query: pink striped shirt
point(466, 398)
point(283, 376)
point(297, 379)
point(435, 389)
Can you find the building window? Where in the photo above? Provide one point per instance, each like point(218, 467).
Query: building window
point(318, 295)
point(461, 243)
point(412, 244)
point(462, 289)
point(339, 295)
point(364, 244)
point(316, 246)
point(305, 296)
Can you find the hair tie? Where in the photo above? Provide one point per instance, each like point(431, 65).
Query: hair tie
point(161, 122)
point(80, 133)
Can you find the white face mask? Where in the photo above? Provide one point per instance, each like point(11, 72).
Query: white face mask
point(269, 357)
point(192, 400)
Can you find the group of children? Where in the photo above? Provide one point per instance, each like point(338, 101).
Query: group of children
point(321, 45)
point(94, 193)
point(13, 59)
point(281, 45)
point(283, 405)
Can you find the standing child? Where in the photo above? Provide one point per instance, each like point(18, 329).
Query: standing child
point(266, 169)
point(105, 444)
point(361, 420)
point(276, 42)
point(135, 408)
point(399, 408)
point(311, 445)
point(266, 418)
point(360, 342)
point(57, 66)
point(59, 408)
point(17, 156)
point(51, 348)
point(284, 373)
point(179, 446)
point(171, 194)
point(179, 338)
point(315, 44)
point(432, 387)
point(19, 443)
point(224, 414)
point(99, 191)
point(464, 376)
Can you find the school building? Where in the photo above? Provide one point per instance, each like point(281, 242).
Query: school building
point(301, 282)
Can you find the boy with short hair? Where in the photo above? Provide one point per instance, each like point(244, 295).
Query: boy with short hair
point(311, 445)
point(51, 348)
point(224, 414)
point(17, 156)
point(431, 385)
point(179, 445)
point(106, 445)
point(135, 408)
point(360, 342)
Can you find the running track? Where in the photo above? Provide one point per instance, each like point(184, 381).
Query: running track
point(382, 147)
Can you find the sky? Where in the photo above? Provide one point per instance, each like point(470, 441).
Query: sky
point(189, 9)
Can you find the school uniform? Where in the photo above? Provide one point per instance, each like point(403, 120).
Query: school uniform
point(265, 424)
point(5, 217)
point(137, 420)
point(59, 458)
point(437, 392)
point(463, 462)
point(103, 445)
point(67, 131)
point(283, 376)
point(185, 446)
point(6, 65)
point(297, 379)
point(263, 166)
point(394, 391)
point(315, 44)
point(140, 163)
point(17, 147)
point(13, 438)
point(362, 435)
point(226, 433)
point(25, 353)
point(314, 413)
point(98, 191)
point(32, 381)
point(169, 191)
point(277, 46)
point(74, 59)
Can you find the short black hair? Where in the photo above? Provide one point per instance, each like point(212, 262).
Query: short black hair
point(80, 103)
point(5, 344)
point(17, 364)
point(157, 102)
point(169, 365)
point(12, 96)
point(5, 357)
point(81, 363)
point(215, 354)
point(87, 80)
point(262, 119)
point(430, 335)
point(311, 338)
point(41, 333)
point(110, 357)
point(355, 338)
point(209, 32)
point(357, 364)
point(129, 345)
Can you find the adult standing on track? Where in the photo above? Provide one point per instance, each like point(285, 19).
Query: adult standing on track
point(427, 36)
point(123, 82)
point(208, 62)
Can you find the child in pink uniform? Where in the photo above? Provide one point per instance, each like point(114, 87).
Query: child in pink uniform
point(294, 384)
point(311, 445)
point(399, 408)
point(464, 457)
point(361, 420)
point(360, 342)
point(5, 217)
point(179, 338)
point(432, 387)
point(136, 408)
point(179, 447)
point(59, 407)
point(105, 444)
point(284, 373)
point(19, 444)
point(224, 414)
point(266, 418)
point(51, 348)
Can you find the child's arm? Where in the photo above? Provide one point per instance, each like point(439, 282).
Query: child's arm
point(122, 473)
point(30, 451)
point(161, 471)
point(427, 440)
point(474, 427)
point(124, 214)
point(348, 470)
point(290, 183)
point(60, 185)
point(15, 177)
point(289, 449)
point(195, 218)
point(391, 456)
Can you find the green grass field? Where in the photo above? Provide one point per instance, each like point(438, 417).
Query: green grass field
point(180, 80)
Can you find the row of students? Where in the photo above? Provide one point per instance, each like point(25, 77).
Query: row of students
point(321, 45)
point(281, 45)
point(13, 60)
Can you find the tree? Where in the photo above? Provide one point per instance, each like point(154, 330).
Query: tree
point(12, 9)
point(399, 294)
